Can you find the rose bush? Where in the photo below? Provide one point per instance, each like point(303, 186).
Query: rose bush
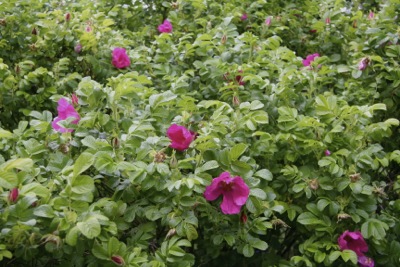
point(115, 185)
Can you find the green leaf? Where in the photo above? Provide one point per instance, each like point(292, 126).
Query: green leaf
point(72, 236)
point(248, 251)
point(237, 151)
point(258, 193)
point(209, 165)
point(20, 164)
point(191, 232)
point(264, 174)
point(307, 218)
point(45, 211)
point(5, 134)
point(259, 244)
point(82, 184)
point(83, 162)
point(334, 255)
point(89, 228)
point(349, 255)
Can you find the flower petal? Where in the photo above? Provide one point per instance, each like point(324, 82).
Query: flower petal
point(240, 191)
point(228, 205)
point(214, 190)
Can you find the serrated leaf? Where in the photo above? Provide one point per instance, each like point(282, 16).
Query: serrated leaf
point(82, 184)
point(248, 251)
point(191, 232)
point(45, 211)
point(209, 165)
point(307, 218)
point(72, 236)
point(264, 174)
point(258, 193)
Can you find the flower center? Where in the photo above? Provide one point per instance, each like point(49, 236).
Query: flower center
point(227, 186)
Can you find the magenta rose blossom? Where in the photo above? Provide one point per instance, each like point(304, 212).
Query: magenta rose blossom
point(65, 111)
point(166, 27)
point(309, 59)
point(180, 137)
point(234, 192)
point(120, 58)
point(353, 241)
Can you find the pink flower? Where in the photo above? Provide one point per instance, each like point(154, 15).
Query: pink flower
point(363, 63)
point(88, 29)
point(234, 191)
point(243, 17)
point(74, 99)
point(13, 195)
point(120, 58)
point(65, 111)
point(268, 21)
point(327, 153)
point(353, 241)
point(309, 59)
point(180, 137)
point(371, 15)
point(364, 261)
point(118, 260)
point(166, 27)
point(78, 48)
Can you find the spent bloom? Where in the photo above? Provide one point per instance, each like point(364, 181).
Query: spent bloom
point(243, 17)
point(353, 241)
point(120, 58)
point(13, 196)
point(363, 63)
point(309, 59)
point(180, 137)
point(234, 192)
point(268, 21)
point(165, 27)
point(65, 111)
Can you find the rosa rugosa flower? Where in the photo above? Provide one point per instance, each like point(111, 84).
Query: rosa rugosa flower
point(353, 241)
point(13, 196)
point(309, 59)
point(180, 137)
point(65, 111)
point(327, 153)
point(234, 191)
point(364, 261)
point(165, 27)
point(243, 17)
point(118, 260)
point(120, 58)
point(371, 15)
point(78, 48)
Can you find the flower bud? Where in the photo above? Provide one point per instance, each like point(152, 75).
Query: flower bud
point(314, 184)
point(328, 21)
point(13, 196)
point(88, 29)
point(243, 218)
point(115, 142)
point(74, 99)
point(363, 63)
point(243, 17)
point(118, 260)
point(17, 69)
point(342, 216)
point(175, 5)
point(327, 153)
point(34, 31)
point(171, 232)
point(268, 21)
point(223, 39)
point(3, 22)
point(173, 162)
point(235, 100)
point(68, 17)
point(371, 15)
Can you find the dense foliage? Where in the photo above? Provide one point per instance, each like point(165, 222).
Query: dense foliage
point(118, 116)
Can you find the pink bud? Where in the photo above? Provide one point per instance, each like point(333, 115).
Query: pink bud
point(243, 218)
point(74, 99)
point(328, 20)
point(68, 16)
point(363, 63)
point(371, 15)
point(13, 196)
point(118, 260)
point(88, 29)
point(268, 21)
point(243, 17)
point(327, 153)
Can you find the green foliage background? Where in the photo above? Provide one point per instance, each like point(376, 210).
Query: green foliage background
point(114, 187)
